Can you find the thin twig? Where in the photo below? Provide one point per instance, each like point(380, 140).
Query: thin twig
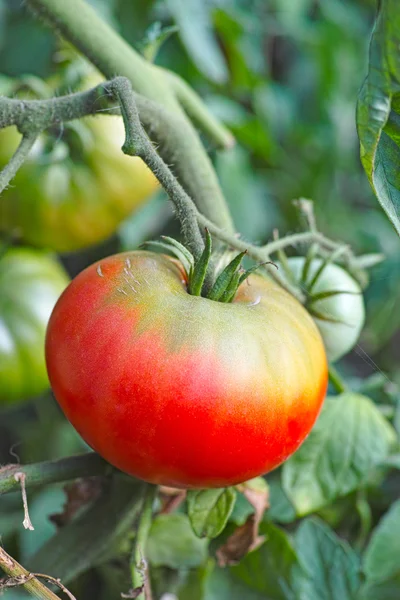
point(17, 160)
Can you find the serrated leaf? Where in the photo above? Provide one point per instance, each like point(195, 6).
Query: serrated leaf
point(350, 438)
point(209, 510)
point(330, 569)
point(173, 544)
point(380, 152)
point(196, 32)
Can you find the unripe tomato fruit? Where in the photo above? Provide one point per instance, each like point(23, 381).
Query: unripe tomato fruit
point(75, 188)
point(30, 283)
point(344, 313)
point(178, 389)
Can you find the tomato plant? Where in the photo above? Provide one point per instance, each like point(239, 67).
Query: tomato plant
point(179, 389)
point(30, 283)
point(76, 185)
point(335, 302)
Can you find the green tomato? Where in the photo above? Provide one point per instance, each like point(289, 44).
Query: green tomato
point(30, 283)
point(76, 185)
point(340, 318)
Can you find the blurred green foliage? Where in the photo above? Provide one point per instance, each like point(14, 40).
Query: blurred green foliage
point(284, 75)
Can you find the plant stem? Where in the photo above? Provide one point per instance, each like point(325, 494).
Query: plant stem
point(336, 380)
point(80, 24)
point(16, 160)
point(138, 561)
point(138, 144)
point(64, 469)
point(24, 578)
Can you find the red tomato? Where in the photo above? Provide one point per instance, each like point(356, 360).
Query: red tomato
point(178, 389)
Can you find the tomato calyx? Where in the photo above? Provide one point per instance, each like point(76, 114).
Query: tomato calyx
point(308, 285)
point(226, 282)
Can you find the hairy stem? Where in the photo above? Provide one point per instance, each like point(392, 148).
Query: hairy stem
point(138, 144)
point(64, 469)
point(80, 24)
point(138, 562)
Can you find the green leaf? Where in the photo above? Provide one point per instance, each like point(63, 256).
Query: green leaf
point(92, 535)
point(154, 38)
point(380, 152)
point(330, 569)
point(213, 583)
point(173, 544)
point(209, 510)
point(350, 438)
point(381, 560)
point(269, 569)
point(280, 508)
point(196, 32)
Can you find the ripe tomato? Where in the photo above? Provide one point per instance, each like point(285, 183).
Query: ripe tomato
point(344, 313)
point(30, 283)
point(75, 188)
point(178, 389)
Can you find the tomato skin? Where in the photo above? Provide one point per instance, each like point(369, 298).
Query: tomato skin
point(30, 284)
point(73, 199)
point(177, 389)
point(348, 309)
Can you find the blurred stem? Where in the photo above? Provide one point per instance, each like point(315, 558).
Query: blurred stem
point(64, 469)
point(17, 160)
point(337, 381)
point(365, 515)
point(80, 24)
point(20, 576)
point(139, 569)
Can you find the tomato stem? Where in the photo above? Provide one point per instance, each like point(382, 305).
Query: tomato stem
point(336, 380)
point(139, 568)
point(43, 473)
point(18, 576)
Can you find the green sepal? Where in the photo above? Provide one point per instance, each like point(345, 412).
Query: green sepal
point(328, 260)
point(322, 317)
point(248, 272)
point(312, 252)
point(176, 249)
point(232, 288)
point(224, 279)
point(329, 294)
point(200, 268)
point(184, 252)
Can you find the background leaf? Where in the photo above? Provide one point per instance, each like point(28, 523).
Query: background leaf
point(330, 568)
point(381, 560)
point(173, 544)
point(380, 151)
point(209, 510)
point(196, 32)
point(349, 439)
